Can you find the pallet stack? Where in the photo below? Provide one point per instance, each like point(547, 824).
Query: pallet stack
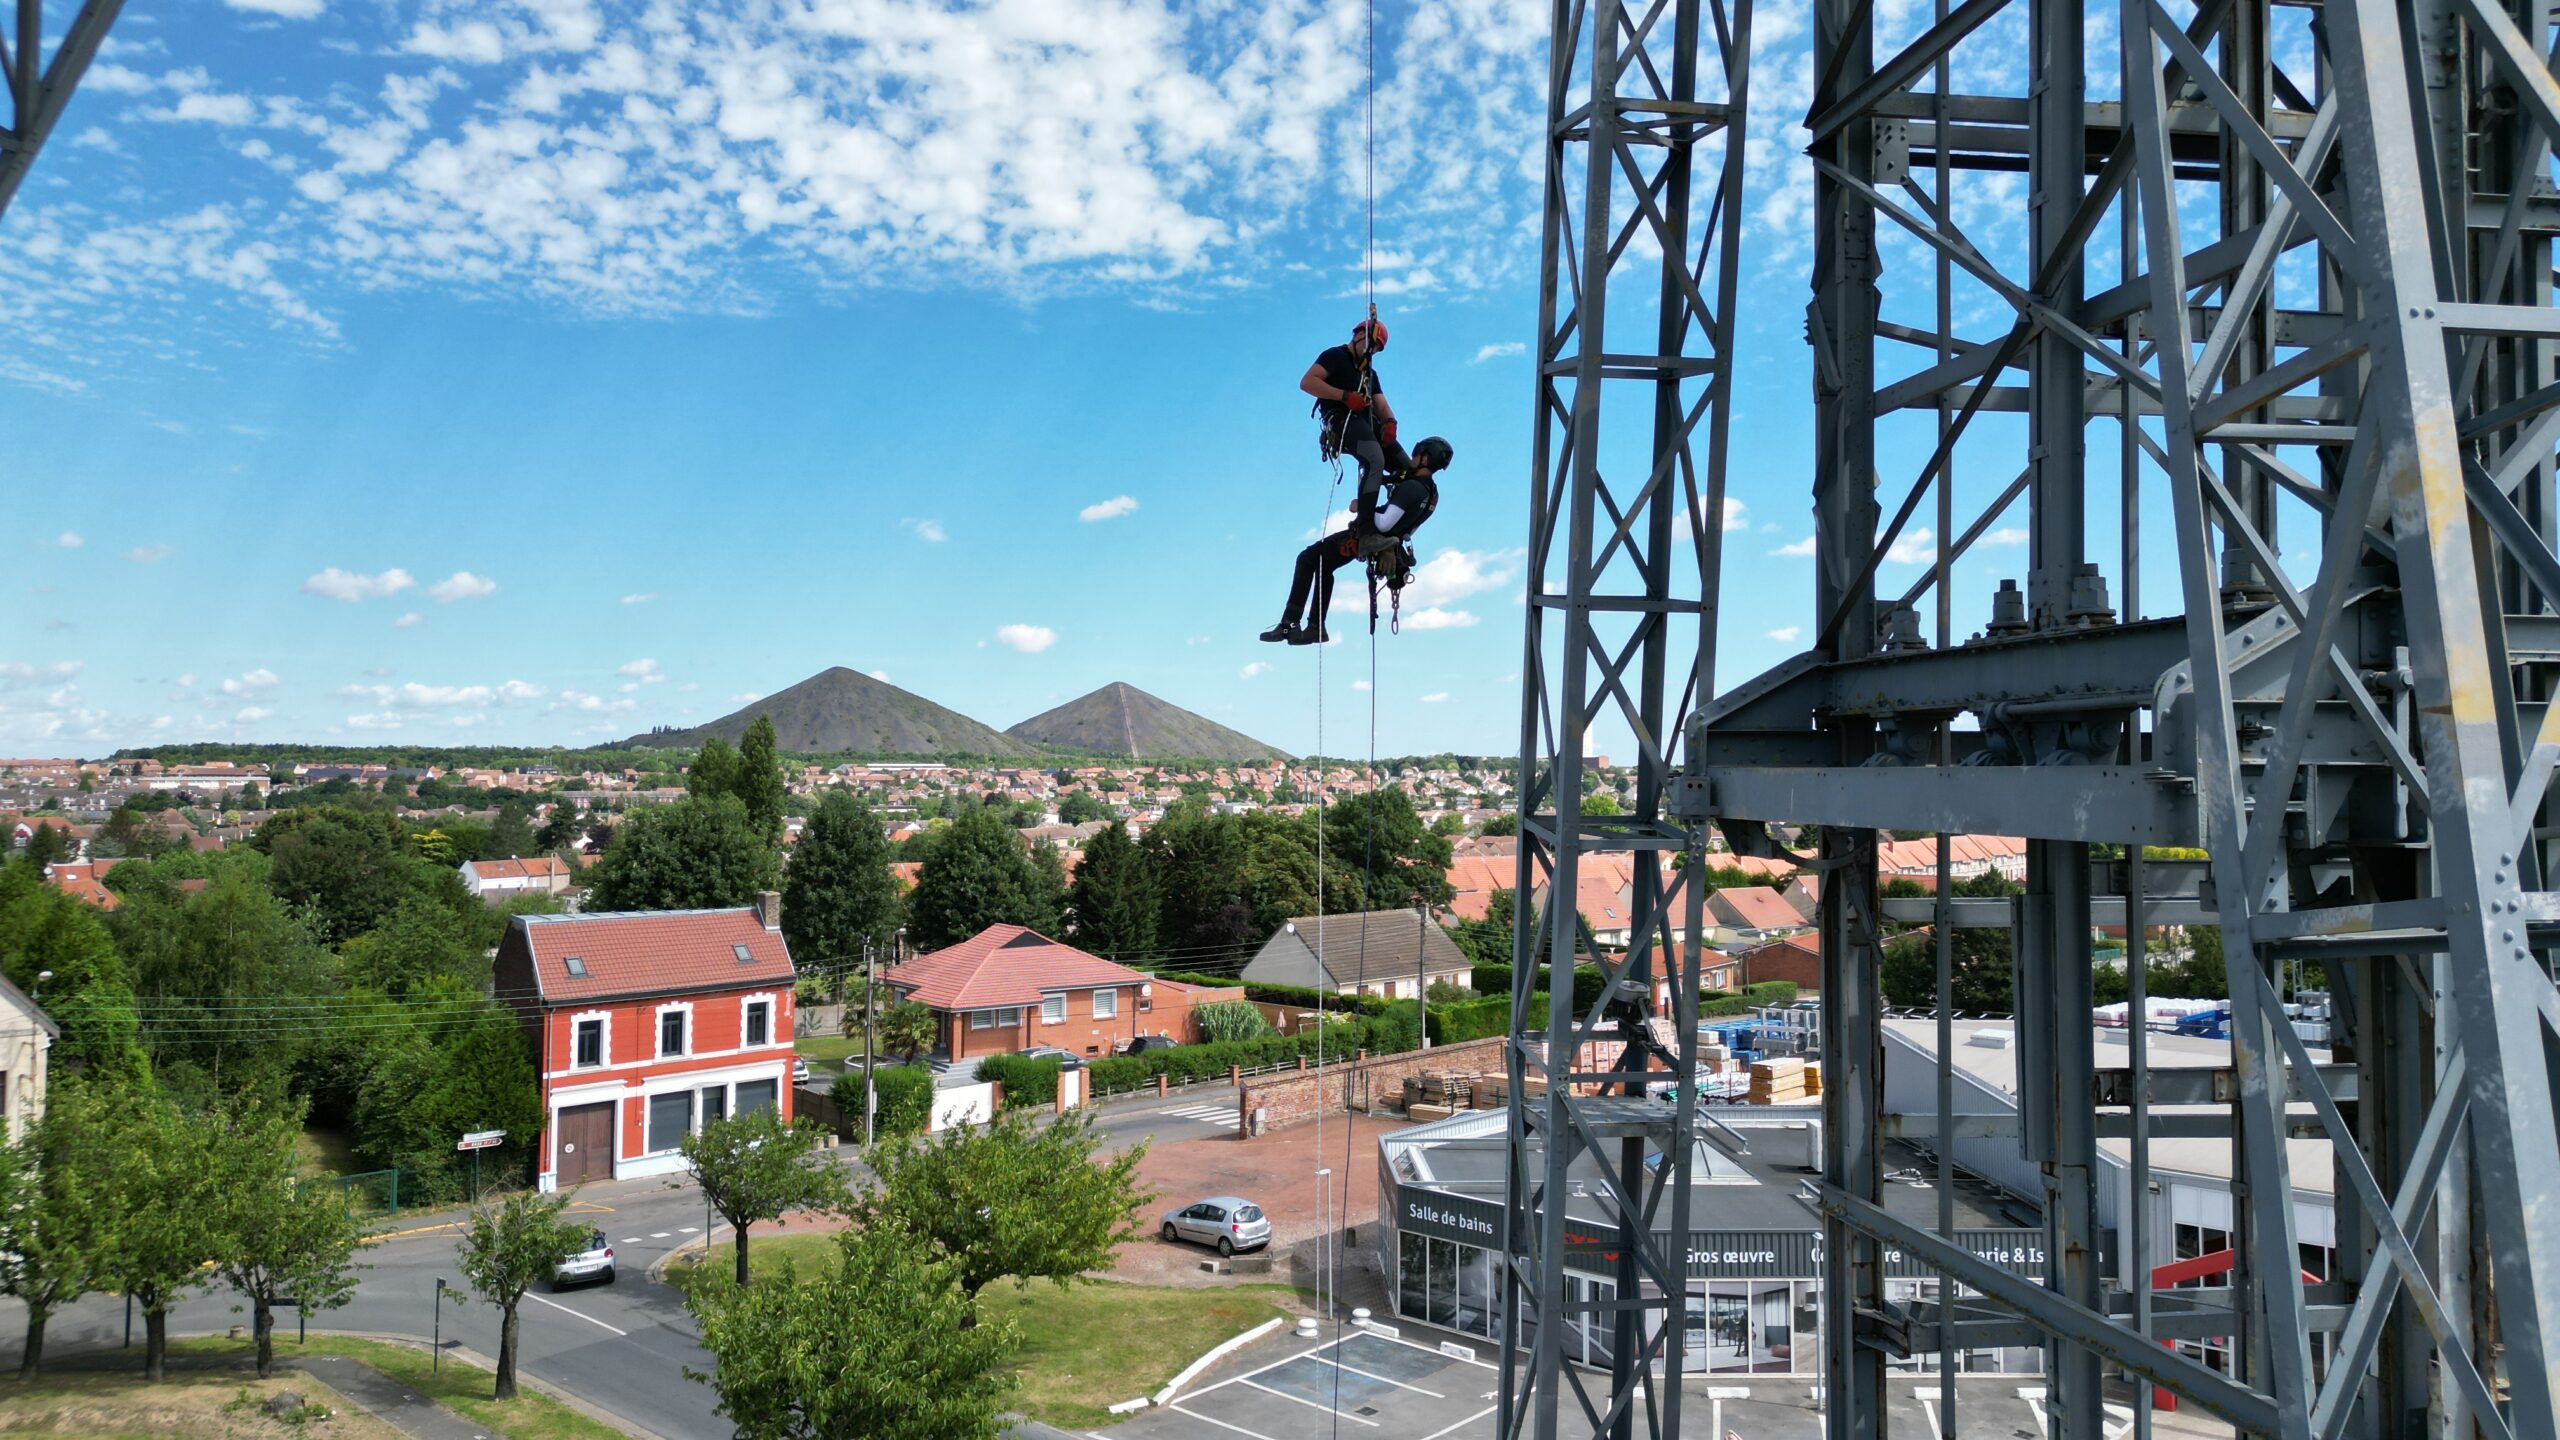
point(1778, 1082)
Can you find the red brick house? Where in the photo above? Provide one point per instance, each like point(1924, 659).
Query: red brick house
point(1797, 958)
point(645, 1024)
point(1008, 988)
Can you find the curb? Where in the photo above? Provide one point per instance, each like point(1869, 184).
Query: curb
point(1216, 1353)
point(525, 1378)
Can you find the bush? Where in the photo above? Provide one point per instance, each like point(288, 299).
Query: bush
point(905, 1093)
point(1498, 979)
point(1771, 992)
point(1472, 1019)
point(1184, 1064)
point(1027, 1080)
point(1230, 1020)
point(1223, 982)
point(1392, 1031)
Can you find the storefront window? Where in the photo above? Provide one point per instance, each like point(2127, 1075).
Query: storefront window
point(1444, 1283)
point(1410, 1268)
point(1478, 1298)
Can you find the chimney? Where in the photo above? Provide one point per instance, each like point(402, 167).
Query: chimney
point(769, 908)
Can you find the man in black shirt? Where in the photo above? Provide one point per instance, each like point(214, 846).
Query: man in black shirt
point(1373, 533)
point(1352, 403)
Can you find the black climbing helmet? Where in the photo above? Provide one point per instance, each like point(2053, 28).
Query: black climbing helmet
point(1434, 452)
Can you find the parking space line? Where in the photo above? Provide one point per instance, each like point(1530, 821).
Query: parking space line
point(581, 1314)
point(1214, 1420)
point(1461, 1425)
point(1274, 1365)
point(1365, 1375)
point(1425, 1349)
point(1310, 1404)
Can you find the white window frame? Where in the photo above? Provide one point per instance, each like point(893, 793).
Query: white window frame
point(1001, 1017)
point(604, 1019)
point(1099, 998)
point(658, 1037)
point(772, 1004)
point(1053, 1009)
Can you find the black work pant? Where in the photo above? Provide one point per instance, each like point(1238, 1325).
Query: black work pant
point(1316, 566)
point(1376, 458)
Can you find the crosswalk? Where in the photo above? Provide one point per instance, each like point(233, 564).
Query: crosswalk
point(1210, 1114)
point(660, 1235)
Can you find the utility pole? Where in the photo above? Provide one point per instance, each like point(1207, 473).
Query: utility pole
point(869, 994)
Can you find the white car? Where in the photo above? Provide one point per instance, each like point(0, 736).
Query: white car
point(1229, 1222)
point(593, 1262)
point(800, 1070)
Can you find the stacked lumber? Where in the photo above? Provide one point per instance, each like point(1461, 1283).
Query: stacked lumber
point(1776, 1082)
point(1812, 1078)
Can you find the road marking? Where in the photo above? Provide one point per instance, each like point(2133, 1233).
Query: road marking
point(1208, 1114)
point(1310, 1404)
point(581, 1314)
point(1463, 1424)
point(689, 1229)
point(1365, 1375)
point(630, 1239)
point(1221, 1424)
point(660, 1234)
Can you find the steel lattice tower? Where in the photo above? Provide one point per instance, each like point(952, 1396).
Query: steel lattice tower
point(1645, 106)
point(38, 88)
point(2279, 279)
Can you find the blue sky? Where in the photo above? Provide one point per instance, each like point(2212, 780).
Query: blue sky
point(539, 371)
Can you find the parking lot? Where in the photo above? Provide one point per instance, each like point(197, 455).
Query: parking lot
point(1367, 1384)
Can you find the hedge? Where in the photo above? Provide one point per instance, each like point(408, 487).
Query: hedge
point(1184, 1064)
point(1497, 979)
point(1303, 996)
point(1473, 1019)
point(905, 1093)
point(1771, 992)
point(1027, 1079)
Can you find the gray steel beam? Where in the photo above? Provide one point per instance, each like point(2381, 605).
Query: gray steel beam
point(40, 88)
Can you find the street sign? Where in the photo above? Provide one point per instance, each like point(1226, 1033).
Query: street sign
point(482, 1140)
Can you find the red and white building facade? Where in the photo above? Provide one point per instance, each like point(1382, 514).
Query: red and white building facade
point(645, 1024)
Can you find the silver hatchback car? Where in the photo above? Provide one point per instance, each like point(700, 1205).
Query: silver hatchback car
point(592, 1261)
point(1229, 1222)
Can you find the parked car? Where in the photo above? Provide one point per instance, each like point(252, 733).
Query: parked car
point(1067, 1059)
point(1148, 1044)
point(1229, 1222)
point(594, 1262)
point(800, 1070)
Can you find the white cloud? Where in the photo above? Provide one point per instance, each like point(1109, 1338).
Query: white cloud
point(211, 107)
point(1113, 508)
point(256, 680)
point(930, 531)
point(409, 620)
point(18, 675)
point(250, 714)
point(640, 599)
point(1027, 639)
point(585, 703)
point(1916, 547)
point(1436, 697)
point(414, 696)
point(1786, 634)
point(1338, 520)
point(462, 585)
point(1795, 549)
point(746, 697)
point(1433, 617)
point(1197, 640)
point(281, 9)
point(351, 587)
point(71, 540)
point(519, 690)
point(1361, 685)
point(1499, 350)
point(2005, 535)
point(880, 675)
point(642, 671)
point(150, 554)
point(381, 720)
point(1260, 667)
point(1455, 574)
point(1733, 515)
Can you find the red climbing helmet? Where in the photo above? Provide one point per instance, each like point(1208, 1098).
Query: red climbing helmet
point(1375, 329)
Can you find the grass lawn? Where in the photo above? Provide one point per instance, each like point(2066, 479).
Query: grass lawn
point(828, 1052)
point(1084, 1348)
point(324, 1152)
point(191, 1403)
point(461, 1387)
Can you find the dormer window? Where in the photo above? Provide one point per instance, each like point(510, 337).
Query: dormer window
point(576, 966)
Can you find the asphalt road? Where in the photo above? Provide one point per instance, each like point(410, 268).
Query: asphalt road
point(623, 1348)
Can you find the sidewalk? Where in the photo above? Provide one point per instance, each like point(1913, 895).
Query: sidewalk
point(388, 1400)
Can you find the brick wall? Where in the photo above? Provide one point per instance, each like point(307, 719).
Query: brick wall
point(1287, 1099)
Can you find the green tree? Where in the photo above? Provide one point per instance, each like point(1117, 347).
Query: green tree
point(1080, 808)
point(1202, 870)
point(696, 854)
point(976, 873)
point(48, 845)
point(1023, 1198)
point(281, 1237)
point(232, 944)
point(1113, 898)
point(159, 1203)
point(714, 771)
point(758, 782)
point(562, 828)
point(1487, 941)
point(510, 835)
point(1979, 976)
point(349, 866)
point(903, 1028)
point(840, 894)
point(52, 1243)
point(1601, 802)
point(424, 1073)
point(420, 940)
point(878, 1347)
point(1381, 855)
point(755, 1167)
point(41, 929)
point(509, 1245)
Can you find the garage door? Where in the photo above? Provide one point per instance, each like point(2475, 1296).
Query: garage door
point(586, 1144)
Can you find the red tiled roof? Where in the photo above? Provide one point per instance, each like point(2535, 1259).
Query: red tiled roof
point(530, 869)
point(653, 952)
point(81, 882)
point(1004, 965)
point(1759, 907)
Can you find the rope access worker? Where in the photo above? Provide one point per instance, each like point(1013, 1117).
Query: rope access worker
point(1380, 535)
point(1352, 403)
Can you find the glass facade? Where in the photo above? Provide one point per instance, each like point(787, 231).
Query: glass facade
point(1448, 1284)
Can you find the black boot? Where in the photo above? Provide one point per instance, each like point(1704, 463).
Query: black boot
point(1313, 635)
point(1285, 631)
